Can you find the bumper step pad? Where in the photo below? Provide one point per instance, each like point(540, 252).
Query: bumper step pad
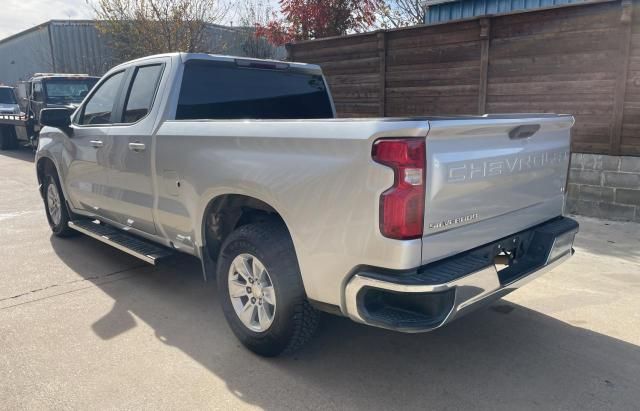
point(435, 294)
point(130, 244)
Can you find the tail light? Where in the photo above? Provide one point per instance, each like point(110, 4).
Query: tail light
point(402, 205)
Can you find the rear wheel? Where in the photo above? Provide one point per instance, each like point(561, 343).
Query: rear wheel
point(56, 207)
point(261, 291)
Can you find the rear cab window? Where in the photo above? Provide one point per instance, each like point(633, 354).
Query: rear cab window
point(221, 90)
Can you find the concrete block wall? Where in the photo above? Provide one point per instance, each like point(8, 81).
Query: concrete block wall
point(604, 186)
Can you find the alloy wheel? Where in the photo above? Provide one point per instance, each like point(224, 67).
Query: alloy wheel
point(252, 294)
point(53, 203)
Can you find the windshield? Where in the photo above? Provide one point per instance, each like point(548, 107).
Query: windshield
point(65, 91)
point(7, 96)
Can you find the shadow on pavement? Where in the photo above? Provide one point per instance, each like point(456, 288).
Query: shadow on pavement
point(22, 153)
point(504, 357)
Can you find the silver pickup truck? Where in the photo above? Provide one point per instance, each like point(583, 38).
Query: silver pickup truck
point(401, 223)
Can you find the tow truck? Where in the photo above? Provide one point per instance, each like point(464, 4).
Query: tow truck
point(42, 90)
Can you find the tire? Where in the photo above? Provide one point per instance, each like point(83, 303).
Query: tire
point(8, 138)
point(294, 320)
point(58, 220)
point(34, 143)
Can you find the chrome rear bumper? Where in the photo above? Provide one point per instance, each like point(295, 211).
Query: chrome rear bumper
point(462, 293)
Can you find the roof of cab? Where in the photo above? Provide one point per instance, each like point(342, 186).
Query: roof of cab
point(184, 57)
point(62, 75)
point(220, 57)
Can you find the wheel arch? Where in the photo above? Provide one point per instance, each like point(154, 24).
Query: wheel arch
point(44, 165)
point(47, 163)
point(225, 213)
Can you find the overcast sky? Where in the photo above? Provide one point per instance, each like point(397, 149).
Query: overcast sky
point(18, 15)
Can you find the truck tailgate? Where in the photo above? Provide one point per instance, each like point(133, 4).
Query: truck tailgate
point(488, 177)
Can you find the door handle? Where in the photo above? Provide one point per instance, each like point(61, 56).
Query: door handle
point(524, 131)
point(96, 143)
point(137, 146)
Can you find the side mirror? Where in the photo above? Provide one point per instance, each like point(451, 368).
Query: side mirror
point(55, 117)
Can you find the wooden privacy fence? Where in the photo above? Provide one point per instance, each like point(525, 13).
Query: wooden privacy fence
point(580, 59)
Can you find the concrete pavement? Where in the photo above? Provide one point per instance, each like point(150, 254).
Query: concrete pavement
point(86, 326)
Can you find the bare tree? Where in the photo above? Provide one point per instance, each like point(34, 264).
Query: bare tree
point(402, 13)
point(137, 28)
point(252, 14)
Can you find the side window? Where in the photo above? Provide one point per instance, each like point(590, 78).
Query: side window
point(37, 91)
point(100, 105)
point(141, 93)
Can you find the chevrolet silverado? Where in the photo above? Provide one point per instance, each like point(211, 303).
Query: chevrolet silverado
point(400, 223)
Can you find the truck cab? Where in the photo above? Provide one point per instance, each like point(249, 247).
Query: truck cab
point(50, 90)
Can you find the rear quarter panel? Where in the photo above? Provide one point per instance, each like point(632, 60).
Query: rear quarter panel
point(317, 174)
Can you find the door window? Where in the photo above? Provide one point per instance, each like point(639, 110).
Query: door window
point(37, 92)
point(141, 93)
point(100, 105)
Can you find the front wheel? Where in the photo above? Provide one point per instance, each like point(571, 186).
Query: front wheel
point(261, 291)
point(33, 142)
point(56, 208)
point(8, 138)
